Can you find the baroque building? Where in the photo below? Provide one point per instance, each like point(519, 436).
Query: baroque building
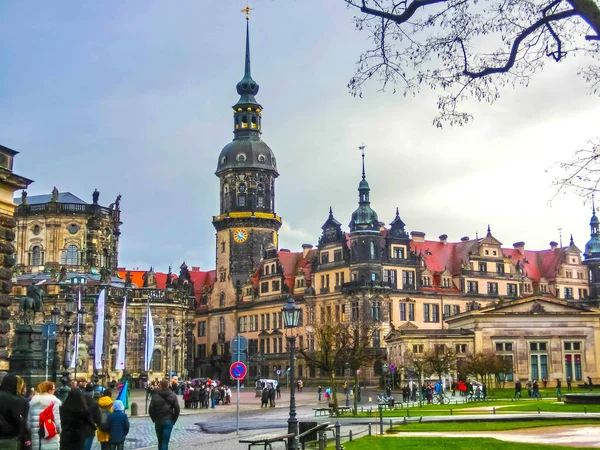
point(411, 291)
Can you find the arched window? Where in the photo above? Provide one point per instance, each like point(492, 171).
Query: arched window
point(113, 359)
point(221, 325)
point(156, 363)
point(241, 200)
point(222, 299)
point(253, 122)
point(267, 270)
point(70, 256)
point(376, 311)
point(372, 249)
point(36, 256)
point(244, 121)
point(175, 361)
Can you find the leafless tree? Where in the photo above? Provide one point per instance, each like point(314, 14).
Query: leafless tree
point(471, 49)
point(581, 172)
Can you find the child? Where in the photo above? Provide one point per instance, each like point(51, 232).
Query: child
point(117, 425)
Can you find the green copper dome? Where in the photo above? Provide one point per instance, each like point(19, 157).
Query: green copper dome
point(592, 248)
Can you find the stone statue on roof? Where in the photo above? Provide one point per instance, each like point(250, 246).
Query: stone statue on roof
point(128, 281)
point(169, 278)
point(95, 196)
point(54, 196)
point(118, 203)
point(23, 197)
point(62, 276)
point(105, 275)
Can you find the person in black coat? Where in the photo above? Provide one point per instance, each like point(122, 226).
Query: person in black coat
point(92, 406)
point(164, 412)
point(13, 413)
point(75, 419)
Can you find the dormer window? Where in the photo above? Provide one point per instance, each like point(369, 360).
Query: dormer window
point(241, 157)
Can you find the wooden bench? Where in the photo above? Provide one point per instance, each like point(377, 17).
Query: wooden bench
point(267, 440)
point(341, 410)
point(321, 411)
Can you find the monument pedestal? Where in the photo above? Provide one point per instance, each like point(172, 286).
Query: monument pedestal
point(28, 357)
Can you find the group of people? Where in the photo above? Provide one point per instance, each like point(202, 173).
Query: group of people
point(197, 395)
point(268, 394)
point(38, 420)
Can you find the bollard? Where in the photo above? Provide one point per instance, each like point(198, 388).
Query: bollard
point(380, 420)
point(369, 429)
point(494, 410)
point(391, 424)
point(539, 410)
point(134, 409)
point(350, 435)
point(322, 440)
point(450, 411)
point(420, 419)
point(404, 420)
point(585, 409)
point(407, 413)
point(338, 437)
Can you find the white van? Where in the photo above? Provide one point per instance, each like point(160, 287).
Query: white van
point(265, 382)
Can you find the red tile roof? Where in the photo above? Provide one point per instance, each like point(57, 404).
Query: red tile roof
point(199, 278)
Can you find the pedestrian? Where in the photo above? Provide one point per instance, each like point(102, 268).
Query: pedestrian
point(264, 397)
point(271, 397)
point(164, 412)
point(117, 426)
point(92, 406)
point(558, 386)
point(536, 390)
point(518, 389)
point(278, 390)
point(75, 421)
point(13, 413)
point(319, 392)
point(105, 405)
point(300, 385)
point(228, 395)
point(569, 380)
point(590, 383)
point(44, 401)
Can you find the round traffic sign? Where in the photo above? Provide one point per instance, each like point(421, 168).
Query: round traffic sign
point(238, 370)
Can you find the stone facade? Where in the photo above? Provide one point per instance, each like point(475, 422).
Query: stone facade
point(9, 183)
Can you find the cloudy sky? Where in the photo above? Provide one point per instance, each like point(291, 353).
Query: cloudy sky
point(135, 98)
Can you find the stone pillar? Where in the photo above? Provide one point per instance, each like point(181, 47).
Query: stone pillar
point(9, 183)
point(28, 358)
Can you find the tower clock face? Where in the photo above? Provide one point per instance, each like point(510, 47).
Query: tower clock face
point(240, 235)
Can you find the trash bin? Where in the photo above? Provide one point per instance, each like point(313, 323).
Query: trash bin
point(305, 426)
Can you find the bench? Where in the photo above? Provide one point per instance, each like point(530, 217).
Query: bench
point(321, 411)
point(267, 440)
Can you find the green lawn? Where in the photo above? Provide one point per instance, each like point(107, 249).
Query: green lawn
point(438, 443)
point(502, 407)
point(489, 426)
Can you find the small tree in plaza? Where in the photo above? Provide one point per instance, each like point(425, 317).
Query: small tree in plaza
point(487, 367)
point(440, 361)
point(332, 340)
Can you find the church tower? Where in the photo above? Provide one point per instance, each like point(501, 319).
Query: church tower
point(247, 170)
point(592, 256)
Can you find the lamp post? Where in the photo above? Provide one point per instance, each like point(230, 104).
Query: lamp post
point(291, 316)
point(66, 377)
point(81, 312)
point(347, 366)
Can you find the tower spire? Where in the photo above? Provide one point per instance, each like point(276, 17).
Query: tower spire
point(362, 149)
point(247, 63)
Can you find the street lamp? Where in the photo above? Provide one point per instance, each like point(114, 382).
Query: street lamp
point(81, 312)
point(66, 377)
point(170, 320)
point(291, 316)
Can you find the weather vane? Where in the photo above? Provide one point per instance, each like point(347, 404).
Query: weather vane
point(362, 149)
point(247, 10)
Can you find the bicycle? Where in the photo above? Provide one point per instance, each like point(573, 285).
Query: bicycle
point(440, 399)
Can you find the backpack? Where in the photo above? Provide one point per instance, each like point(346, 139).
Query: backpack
point(47, 425)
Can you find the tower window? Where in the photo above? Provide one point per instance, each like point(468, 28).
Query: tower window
point(223, 159)
point(253, 124)
point(241, 157)
point(260, 202)
point(70, 257)
point(242, 186)
point(241, 200)
point(244, 122)
point(223, 247)
point(260, 189)
point(36, 229)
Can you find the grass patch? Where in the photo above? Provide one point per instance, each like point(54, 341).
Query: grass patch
point(488, 426)
point(439, 443)
point(502, 407)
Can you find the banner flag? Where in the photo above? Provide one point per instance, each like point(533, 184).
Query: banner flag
point(120, 363)
point(99, 338)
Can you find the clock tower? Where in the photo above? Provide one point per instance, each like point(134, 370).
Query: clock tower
point(247, 170)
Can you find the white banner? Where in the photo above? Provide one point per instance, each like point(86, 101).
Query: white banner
point(99, 338)
point(149, 339)
point(76, 346)
point(120, 363)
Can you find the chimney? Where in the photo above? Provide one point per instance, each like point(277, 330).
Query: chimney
point(444, 239)
point(417, 236)
point(520, 246)
point(464, 238)
point(553, 245)
point(305, 249)
point(195, 268)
